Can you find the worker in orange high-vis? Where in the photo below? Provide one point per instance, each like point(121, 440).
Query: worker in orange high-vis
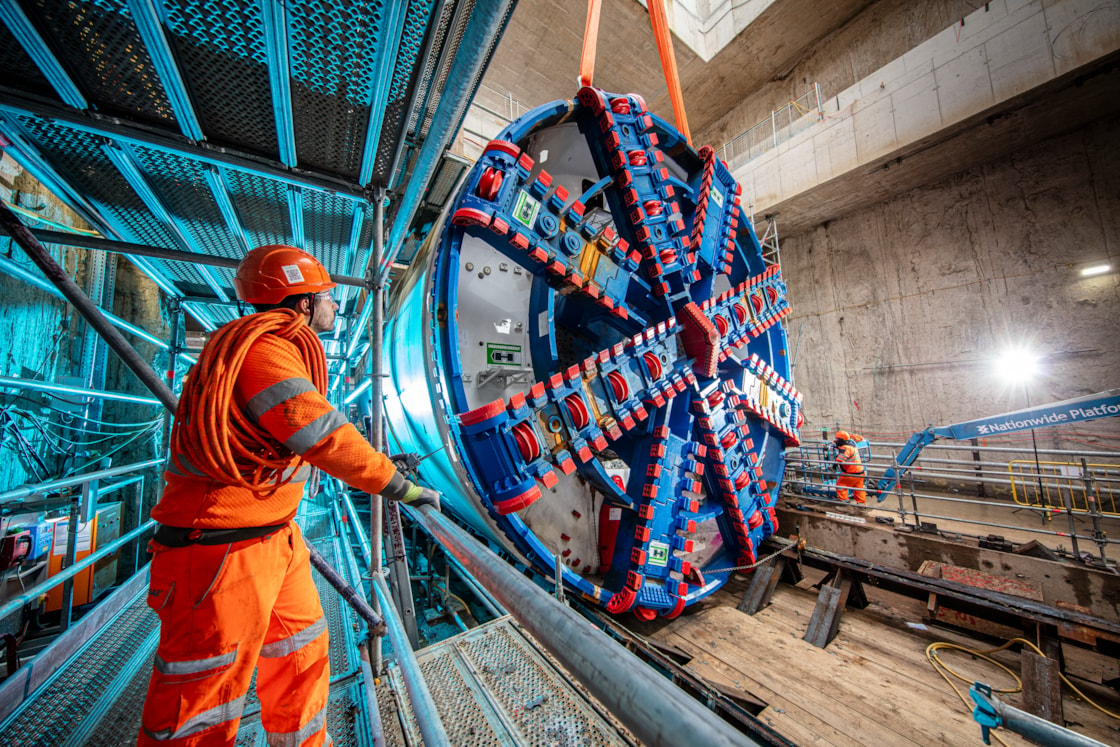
point(851, 467)
point(230, 573)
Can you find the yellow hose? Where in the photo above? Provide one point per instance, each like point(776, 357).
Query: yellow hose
point(943, 669)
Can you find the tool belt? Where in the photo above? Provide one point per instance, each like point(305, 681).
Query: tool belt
point(187, 536)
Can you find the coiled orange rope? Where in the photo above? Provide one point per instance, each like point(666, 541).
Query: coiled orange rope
point(212, 433)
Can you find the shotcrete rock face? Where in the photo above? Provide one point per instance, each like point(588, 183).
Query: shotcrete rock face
point(590, 343)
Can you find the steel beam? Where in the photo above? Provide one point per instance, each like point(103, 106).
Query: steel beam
point(274, 15)
point(123, 159)
point(295, 214)
point(383, 79)
point(36, 47)
point(488, 19)
point(419, 105)
point(150, 25)
point(648, 704)
point(123, 131)
point(994, 602)
point(215, 178)
point(144, 250)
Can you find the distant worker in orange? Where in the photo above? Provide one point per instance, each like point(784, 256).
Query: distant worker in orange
point(851, 467)
point(230, 573)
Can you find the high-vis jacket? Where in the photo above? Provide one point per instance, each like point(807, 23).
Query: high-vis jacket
point(229, 607)
point(847, 456)
point(275, 391)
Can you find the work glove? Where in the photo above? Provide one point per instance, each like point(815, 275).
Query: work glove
point(403, 489)
point(405, 463)
point(418, 496)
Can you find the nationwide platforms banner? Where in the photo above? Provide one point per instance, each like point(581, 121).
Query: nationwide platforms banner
point(1068, 411)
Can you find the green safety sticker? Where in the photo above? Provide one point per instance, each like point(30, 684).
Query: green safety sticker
point(498, 354)
point(525, 209)
point(658, 553)
point(717, 197)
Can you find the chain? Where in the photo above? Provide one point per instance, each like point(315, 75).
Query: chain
point(797, 542)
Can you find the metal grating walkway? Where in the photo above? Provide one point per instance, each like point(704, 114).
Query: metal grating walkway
point(493, 686)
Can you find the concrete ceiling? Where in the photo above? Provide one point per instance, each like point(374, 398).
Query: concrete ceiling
point(1064, 105)
point(538, 58)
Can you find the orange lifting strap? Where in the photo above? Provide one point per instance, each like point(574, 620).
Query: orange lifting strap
point(669, 63)
point(664, 39)
point(590, 41)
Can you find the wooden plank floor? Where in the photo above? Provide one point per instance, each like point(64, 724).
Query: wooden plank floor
point(871, 685)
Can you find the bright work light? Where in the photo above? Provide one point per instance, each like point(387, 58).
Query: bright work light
point(1095, 270)
point(1017, 364)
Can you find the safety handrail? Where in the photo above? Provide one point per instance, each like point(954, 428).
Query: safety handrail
point(17, 602)
point(25, 491)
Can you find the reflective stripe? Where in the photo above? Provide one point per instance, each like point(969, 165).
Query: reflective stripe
point(296, 738)
point(315, 431)
point(206, 719)
point(303, 474)
point(281, 391)
point(190, 468)
point(194, 666)
point(294, 642)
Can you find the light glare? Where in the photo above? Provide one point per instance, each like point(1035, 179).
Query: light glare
point(1095, 270)
point(1017, 365)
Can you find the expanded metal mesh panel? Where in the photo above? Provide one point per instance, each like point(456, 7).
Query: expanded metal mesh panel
point(451, 50)
point(221, 48)
point(424, 82)
point(339, 617)
point(180, 183)
point(19, 70)
point(316, 526)
point(327, 223)
point(460, 711)
point(334, 50)
point(389, 710)
point(449, 174)
point(61, 706)
point(346, 721)
point(533, 696)
point(262, 205)
point(121, 722)
point(78, 158)
point(492, 687)
point(105, 53)
point(405, 74)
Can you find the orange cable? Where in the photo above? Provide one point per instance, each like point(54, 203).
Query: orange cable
point(590, 42)
point(664, 39)
point(223, 443)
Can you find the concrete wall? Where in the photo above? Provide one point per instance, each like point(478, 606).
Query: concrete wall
point(999, 59)
point(898, 308)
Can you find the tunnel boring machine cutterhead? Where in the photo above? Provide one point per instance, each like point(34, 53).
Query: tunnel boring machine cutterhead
point(589, 348)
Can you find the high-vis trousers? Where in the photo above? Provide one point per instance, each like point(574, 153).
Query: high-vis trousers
point(223, 610)
point(850, 481)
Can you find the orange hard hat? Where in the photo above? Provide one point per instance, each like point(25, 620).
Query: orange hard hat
point(843, 436)
point(269, 274)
